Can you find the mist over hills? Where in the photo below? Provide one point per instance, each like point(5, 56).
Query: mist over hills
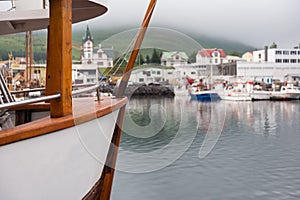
point(15, 44)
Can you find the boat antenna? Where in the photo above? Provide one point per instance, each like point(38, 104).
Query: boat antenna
point(127, 72)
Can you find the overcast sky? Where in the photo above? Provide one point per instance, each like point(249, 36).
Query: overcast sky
point(256, 22)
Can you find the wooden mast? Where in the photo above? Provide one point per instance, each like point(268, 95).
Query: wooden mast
point(30, 55)
point(59, 57)
point(135, 50)
point(26, 55)
point(110, 164)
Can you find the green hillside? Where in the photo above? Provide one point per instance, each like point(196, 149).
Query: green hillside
point(120, 39)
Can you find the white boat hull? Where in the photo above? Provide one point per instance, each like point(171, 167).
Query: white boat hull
point(260, 95)
point(284, 96)
point(235, 96)
point(62, 165)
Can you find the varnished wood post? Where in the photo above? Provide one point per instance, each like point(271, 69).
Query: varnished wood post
point(59, 57)
point(111, 159)
point(127, 72)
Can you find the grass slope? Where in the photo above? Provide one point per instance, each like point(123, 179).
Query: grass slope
point(114, 37)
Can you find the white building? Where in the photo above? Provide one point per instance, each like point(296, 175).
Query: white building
point(270, 64)
point(233, 59)
point(90, 55)
point(179, 74)
point(85, 73)
point(150, 75)
point(173, 58)
point(210, 56)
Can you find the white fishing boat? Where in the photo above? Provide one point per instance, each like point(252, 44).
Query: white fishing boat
point(259, 95)
point(287, 92)
point(238, 91)
point(71, 153)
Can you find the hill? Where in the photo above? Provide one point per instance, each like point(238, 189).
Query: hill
point(120, 38)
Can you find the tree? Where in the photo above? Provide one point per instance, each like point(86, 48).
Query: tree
point(140, 60)
point(147, 59)
point(155, 57)
point(192, 57)
point(234, 53)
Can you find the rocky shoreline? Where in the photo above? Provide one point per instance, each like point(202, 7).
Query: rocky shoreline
point(146, 90)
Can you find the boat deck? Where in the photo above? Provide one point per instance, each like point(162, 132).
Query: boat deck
point(84, 109)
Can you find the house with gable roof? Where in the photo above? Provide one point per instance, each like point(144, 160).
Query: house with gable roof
point(174, 58)
point(248, 56)
point(211, 56)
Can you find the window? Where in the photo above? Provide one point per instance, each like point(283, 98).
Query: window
point(147, 73)
point(170, 72)
point(286, 52)
point(293, 61)
point(293, 52)
point(286, 60)
point(100, 63)
point(177, 57)
point(193, 73)
point(141, 80)
point(298, 60)
point(278, 61)
point(216, 54)
point(100, 54)
point(216, 61)
point(298, 52)
point(158, 72)
point(259, 56)
point(278, 52)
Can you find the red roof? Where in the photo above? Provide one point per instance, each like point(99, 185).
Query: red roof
point(209, 52)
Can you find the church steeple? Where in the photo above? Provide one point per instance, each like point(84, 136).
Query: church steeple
point(87, 47)
point(88, 35)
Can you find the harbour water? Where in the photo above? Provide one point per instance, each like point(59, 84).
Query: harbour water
point(182, 149)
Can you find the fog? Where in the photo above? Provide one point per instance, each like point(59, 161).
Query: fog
point(256, 22)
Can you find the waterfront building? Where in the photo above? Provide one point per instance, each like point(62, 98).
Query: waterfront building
point(292, 78)
point(82, 74)
point(210, 56)
point(178, 74)
point(173, 58)
point(270, 64)
point(150, 75)
point(248, 56)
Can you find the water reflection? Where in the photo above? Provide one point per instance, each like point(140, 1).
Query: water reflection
point(156, 132)
point(256, 156)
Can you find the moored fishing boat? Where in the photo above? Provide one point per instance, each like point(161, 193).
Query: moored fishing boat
point(71, 153)
point(287, 92)
point(259, 95)
point(239, 91)
point(203, 93)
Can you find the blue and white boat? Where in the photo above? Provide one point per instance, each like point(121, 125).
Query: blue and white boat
point(203, 93)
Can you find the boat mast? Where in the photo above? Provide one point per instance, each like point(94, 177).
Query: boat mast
point(135, 50)
point(28, 55)
point(59, 57)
